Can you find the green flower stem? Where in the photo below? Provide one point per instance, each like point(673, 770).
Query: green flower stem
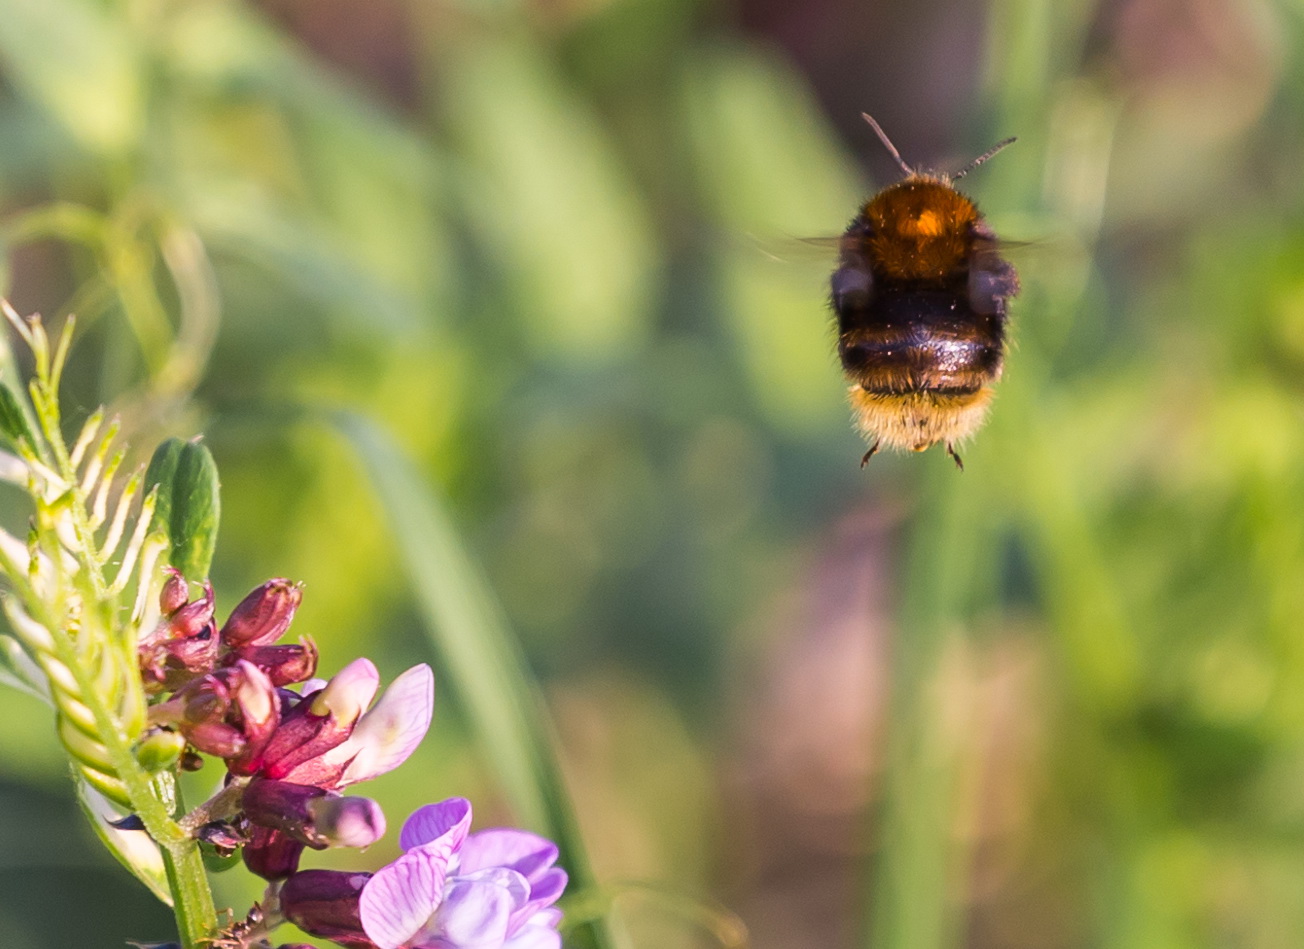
point(192, 898)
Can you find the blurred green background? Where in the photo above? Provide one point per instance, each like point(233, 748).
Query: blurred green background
point(549, 247)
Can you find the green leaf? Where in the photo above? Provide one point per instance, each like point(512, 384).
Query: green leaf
point(13, 420)
point(19, 670)
point(188, 506)
point(134, 849)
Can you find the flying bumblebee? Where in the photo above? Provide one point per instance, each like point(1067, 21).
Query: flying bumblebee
point(920, 295)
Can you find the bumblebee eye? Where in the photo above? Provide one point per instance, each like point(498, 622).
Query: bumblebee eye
point(852, 287)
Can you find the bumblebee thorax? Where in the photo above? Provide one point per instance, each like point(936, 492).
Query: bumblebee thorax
point(919, 229)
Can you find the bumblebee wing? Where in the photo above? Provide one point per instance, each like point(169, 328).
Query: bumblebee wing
point(786, 250)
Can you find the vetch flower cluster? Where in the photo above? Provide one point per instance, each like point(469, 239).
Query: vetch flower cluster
point(288, 754)
point(140, 693)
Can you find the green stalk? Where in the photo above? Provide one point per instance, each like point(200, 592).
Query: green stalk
point(912, 893)
point(192, 899)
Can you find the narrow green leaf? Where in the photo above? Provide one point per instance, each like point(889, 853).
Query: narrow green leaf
point(476, 651)
point(134, 849)
point(17, 669)
point(188, 506)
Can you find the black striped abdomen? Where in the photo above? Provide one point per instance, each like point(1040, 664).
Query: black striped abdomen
point(914, 340)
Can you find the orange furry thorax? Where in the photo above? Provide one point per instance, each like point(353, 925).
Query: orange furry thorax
point(921, 229)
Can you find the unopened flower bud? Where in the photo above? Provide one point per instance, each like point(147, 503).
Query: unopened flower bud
point(172, 662)
point(263, 616)
point(175, 593)
point(347, 821)
point(325, 903)
point(313, 815)
point(193, 618)
point(284, 665)
point(216, 738)
point(271, 854)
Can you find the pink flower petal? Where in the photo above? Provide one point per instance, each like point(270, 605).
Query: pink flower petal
point(446, 823)
point(349, 692)
point(401, 898)
point(390, 732)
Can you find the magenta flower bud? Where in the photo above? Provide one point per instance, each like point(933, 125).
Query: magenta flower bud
point(175, 592)
point(263, 616)
point(283, 806)
point(171, 663)
point(271, 854)
point(325, 903)
point(313, 815)
point(284, 665)
point(193, 618)
point(215, 738)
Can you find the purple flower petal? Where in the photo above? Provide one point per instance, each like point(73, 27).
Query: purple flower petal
point(391, 731)
point(401, 898)
point(526, 853)
point(534, 937)
point(543, 893)
point(450, 819)
point(476, 911)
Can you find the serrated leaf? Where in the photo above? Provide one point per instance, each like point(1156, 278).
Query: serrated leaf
point(188, 505)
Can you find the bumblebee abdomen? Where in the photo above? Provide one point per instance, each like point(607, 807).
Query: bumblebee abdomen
point(918, 340)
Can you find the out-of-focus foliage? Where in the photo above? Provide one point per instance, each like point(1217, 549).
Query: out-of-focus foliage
point(537, 243)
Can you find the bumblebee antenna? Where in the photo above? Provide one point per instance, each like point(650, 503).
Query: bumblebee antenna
point(887, 142)
point(982, 158)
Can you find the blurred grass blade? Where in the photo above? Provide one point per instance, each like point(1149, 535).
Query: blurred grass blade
point(188, 506)
point(77, 60)
point(475, 648)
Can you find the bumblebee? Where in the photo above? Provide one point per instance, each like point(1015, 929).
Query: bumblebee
point(920, 295)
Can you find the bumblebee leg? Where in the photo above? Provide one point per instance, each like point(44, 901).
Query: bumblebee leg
point(950, 450)
point(869, 454)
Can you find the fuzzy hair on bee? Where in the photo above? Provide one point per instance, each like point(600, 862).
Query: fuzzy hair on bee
point(920, 295)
